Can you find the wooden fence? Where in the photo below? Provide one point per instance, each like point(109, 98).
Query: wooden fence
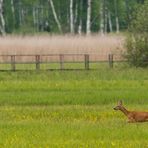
point(37, 60)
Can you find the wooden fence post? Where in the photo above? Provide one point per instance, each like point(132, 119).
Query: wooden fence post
point(61, 61)
point(86, 57)
point(13, 68)
point(37, 57)
point(111, 60)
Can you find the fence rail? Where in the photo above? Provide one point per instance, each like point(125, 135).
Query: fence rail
point(37, 60)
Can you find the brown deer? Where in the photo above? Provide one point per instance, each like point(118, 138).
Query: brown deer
point(133, 116)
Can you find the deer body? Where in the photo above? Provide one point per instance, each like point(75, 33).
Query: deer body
point(133, 116)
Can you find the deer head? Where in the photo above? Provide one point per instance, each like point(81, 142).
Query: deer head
point(119, 106)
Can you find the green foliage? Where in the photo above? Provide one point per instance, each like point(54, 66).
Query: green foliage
point(137, 41)
point(34, 13)
point(9, 17)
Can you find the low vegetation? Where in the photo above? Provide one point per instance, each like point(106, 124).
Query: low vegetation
point(72, 108)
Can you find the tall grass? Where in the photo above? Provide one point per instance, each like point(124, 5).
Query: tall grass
point(60, 44)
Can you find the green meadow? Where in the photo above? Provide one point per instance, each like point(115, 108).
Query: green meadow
point(72, 109)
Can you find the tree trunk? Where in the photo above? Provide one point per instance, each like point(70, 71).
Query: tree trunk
point(12, 7)
point(88, 25)
point(13, 13)
point(80, 17)
point(55, 15)
point(80, 27)
point(110, 22)
point(71, 17)
point(102, 17)
point(105, 18)
point(2, 21)
point(76, 14)
point(116, 16)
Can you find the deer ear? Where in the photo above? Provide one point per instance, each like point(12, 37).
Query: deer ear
point(120, 102)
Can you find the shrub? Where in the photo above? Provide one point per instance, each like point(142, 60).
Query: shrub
point(137, 41)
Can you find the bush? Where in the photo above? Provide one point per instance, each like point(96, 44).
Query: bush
point(137, 41)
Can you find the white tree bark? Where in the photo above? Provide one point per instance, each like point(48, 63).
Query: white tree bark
point(105, 19)
point(117, 24)
point(80, 27)
point(102, 17)
point(12, 6)
point(116, 15)
point(55, 15)
point(110, 22)
point(88, 25)
point(76, 14)
point(2, 21)
point(71, 17)
point(80, 17)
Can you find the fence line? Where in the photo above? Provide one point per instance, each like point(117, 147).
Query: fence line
point(37, 60)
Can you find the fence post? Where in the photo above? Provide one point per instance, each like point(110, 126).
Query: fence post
point(86, 57)
point(13, 68)
point(61, 61)
point(111, 60)
point(37, 57)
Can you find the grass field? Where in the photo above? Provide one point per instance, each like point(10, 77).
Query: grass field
point(72, 108)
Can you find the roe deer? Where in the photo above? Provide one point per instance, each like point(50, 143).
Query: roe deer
point(133, 116)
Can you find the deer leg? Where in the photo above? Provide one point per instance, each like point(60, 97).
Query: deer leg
point(131, 120)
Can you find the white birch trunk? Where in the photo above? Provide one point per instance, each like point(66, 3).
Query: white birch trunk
point(101, 17)
point(37, 18)
point(13, 11)
point(80, 28)
point(110, 22)
point(105, 20)
point(12, 7)
point(116, 15)
point(55, 15)
point(71, 17)
point(76, 14)
point(34, 16)
point(88, 24)
point(2, 21)
point(117, 24)
point(80, 17)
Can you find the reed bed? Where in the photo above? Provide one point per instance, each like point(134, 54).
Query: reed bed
point(67, 44)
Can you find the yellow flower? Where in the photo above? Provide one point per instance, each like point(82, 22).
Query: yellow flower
point(113, 144)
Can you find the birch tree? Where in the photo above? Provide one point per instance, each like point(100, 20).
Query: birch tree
point(71, 17)
point(101, 17)
point(80, 17)
point(12, 7)
point(110, 22)
point(76, 15)
point(2, 21)
point(105, 16)
point(116, 16)
point(55, 15)
point(88, 24)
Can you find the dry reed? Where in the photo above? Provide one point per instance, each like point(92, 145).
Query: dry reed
point(95, 44)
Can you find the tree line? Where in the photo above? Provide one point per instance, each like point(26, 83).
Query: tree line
point(66, 16)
